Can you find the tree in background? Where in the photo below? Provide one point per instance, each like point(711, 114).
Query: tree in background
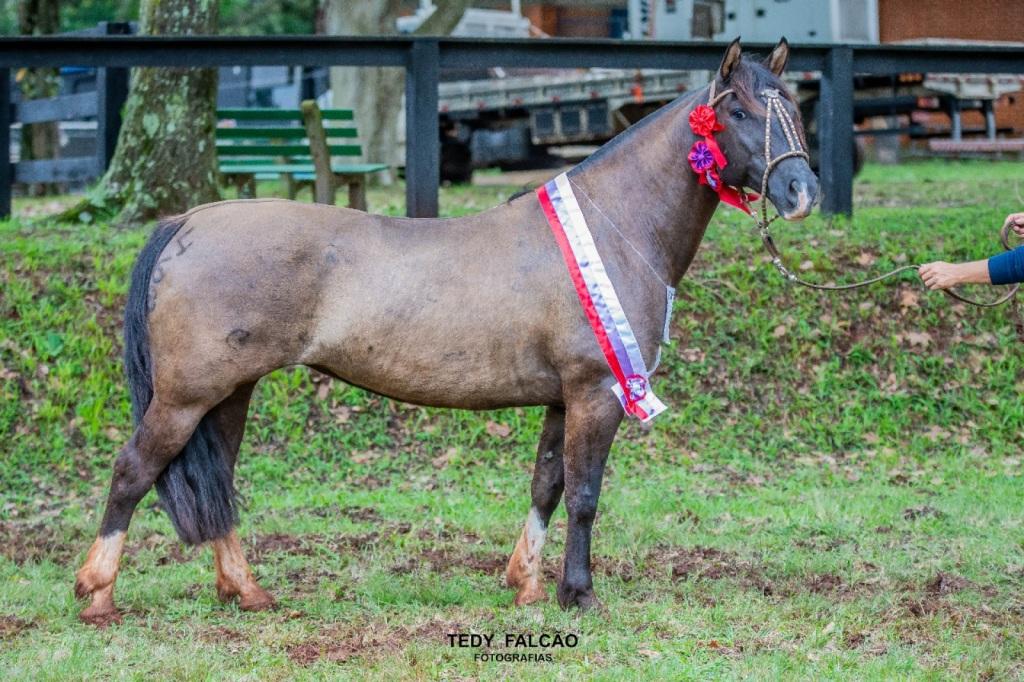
point(237, 17)
point(375, 93)
point(166, 158)
point(39, 140)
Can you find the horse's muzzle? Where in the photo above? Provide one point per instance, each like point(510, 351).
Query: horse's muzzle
point(797, 194)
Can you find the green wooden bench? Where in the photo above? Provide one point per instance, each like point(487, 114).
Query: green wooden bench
point(271, 144)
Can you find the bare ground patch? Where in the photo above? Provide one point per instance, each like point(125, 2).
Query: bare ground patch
point(445, 559)
point(12, 626)
point(366, 641)
point(24, 542)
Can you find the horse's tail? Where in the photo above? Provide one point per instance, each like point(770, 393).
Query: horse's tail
point(196, 488)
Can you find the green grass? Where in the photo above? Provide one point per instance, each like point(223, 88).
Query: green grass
point(835, 492)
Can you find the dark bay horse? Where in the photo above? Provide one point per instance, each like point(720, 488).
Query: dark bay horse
point(475, 313)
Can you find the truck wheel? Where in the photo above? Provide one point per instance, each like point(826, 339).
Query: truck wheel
point(456, 163)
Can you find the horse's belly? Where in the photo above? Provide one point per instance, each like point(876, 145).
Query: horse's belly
point(451, 378)
point(443, 366)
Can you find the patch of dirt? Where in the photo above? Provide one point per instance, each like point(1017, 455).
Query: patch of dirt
point(369, 641)
point(357, 542)
point(362, 514)
point(821, 543)
point(825, 583)
point(11, 626)
point(23, 542)
point(281, 543)
point(624, 569)
point(307, 545)
point(441, 560)
point(946, 583)
point(445, 533)
point(222, 634)
point(926, 511)
point(707, 563)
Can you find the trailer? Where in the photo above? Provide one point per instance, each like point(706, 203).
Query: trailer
point(516, 118)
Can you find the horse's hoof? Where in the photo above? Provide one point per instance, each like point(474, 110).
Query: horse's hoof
point(100, 616)
point(531, 594)
point(257, 600)
point(584, 600)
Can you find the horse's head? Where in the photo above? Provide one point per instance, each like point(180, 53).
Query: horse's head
point(748, 86)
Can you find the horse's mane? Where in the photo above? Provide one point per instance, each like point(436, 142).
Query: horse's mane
point(750, 79)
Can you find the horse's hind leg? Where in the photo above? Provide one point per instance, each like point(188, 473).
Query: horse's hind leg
point(524, 567)
point(160, 436)
point(234, 578)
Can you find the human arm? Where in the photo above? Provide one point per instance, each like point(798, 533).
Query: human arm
point(942, 275)
point(1006, 268)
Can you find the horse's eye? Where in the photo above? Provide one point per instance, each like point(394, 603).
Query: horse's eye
point(738, 114)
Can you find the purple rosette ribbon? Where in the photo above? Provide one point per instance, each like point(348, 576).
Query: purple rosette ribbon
point(700, 157)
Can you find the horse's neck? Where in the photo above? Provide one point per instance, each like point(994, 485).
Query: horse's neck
point(643, 183)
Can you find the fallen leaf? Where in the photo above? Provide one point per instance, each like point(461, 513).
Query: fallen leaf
point(363, 457)
point(441, 461)
point(323, 389)
point(692, 355)
point(807, 265)
point(780, 331)
point(498, 430)
point(865, 259)
point(909, 298)
point(922, 339)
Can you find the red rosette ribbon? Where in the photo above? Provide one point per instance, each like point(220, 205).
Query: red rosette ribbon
point(703, 121)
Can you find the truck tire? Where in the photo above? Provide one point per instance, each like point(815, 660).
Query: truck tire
point(456, 163)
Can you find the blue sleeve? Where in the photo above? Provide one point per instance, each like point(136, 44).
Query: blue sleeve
point(1007, 268)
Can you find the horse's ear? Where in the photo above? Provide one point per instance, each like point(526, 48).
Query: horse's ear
point(777, 60)
point(731, 59)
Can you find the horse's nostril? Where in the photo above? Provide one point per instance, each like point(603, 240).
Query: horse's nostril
point(796, 188)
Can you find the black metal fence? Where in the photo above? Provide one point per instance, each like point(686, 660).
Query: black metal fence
point(423, 59)
point(103, 104)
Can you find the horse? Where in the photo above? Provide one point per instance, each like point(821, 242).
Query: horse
point(478, 312)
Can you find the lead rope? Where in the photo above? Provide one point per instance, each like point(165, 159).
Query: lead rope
point(773, 103)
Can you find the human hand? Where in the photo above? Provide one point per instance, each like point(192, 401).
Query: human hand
point(1016, 223)
point(940, 275)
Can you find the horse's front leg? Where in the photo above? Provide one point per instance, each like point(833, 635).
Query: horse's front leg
point(591, 421)
point(524, 568)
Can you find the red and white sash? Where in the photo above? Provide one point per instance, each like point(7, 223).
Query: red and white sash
point(599, 301)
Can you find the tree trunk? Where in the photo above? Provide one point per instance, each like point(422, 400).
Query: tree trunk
point(166, 158)
point(375, 93)
point(39, 140)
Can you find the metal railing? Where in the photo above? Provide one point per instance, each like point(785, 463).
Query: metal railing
point(423, 59)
